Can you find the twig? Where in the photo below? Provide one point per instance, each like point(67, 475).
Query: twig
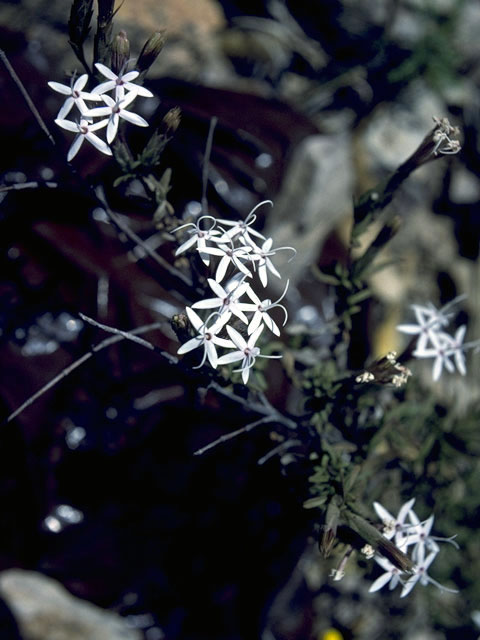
point(123, 226)
point(68, 370)
point(278, 449)
point(234, 434)
point(29, 185)
point(125, 334)
point(265, 408)
point(206, 163)
point(26, 97)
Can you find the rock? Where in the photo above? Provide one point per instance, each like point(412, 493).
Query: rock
point(315, 195)
point(45, 610)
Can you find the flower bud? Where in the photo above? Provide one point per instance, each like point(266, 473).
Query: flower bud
point(151, 50)
point(120, 52)
point(171, 121)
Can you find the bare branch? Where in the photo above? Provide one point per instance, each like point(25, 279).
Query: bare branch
point(233, 434)
point(123, 226)
point(26, 97)
point(68, 370)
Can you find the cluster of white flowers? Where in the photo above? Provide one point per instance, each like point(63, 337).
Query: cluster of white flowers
point(240, 253)
point(413, 536)
point(434, 342)
point(123, 93)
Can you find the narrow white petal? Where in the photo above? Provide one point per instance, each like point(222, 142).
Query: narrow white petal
point(209, 303)
point(194, 318)
point(228, 358)
point(211, 353)
point(239, 313)
point(128, 99)
point(141, 91)
point(80, 82)
point(383, 514)
point(191, 344)
point(133, 118)
point(223, 342)
point(66, 108)
point(404, 510)
point(271, 268)
point(99, 144)
point(129, 76)
point(255, 322)
point(76, 144)
point(437, 368)
point(61, 88)
point(409, 586)
point(409, 328)
point(105, 71)
point(236, 338)
point(96, 112)
point(217, 289)
point(380, 582)
point(222, 268)
point(112, 128)
point(186, 245)
point(98, 125)
point(68, 125)
point(262, 272)
point(104, 87)
point(460, 362)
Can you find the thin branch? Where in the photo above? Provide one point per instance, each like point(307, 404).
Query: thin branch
point(265, 408)
point(26, 97)
point(29, 185)
point(68, 370)
point(206, 163)
point(234, 434)
point(123, 226)
point(278, 449)
point(128, 335)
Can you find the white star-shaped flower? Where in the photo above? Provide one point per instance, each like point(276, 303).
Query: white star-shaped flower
point(199, 236)
point(120, 83)
point(207, 337)
point(440, 350)
point(261, 255)
point(225, 301)
point(246, 351)
point(396, 527)
point(115, 110)
point(421, 575)
point(261, 309)
point(419, 535)
point(229, 254)
point(76, 96)
point(243, 228)
point(391, 576)
point(84, 131)
point(456, 349)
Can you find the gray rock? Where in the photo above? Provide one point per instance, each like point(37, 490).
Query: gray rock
point(44, 610)
point(315, 196)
